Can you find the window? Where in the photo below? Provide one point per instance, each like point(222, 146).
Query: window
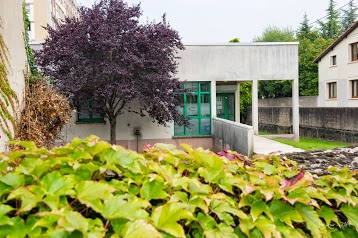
point(85, 113)
point(354, 51)
point(333, 60)
point(354, 84)
point(197, 106)
point(332, 90)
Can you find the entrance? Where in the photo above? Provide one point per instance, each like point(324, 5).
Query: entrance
point(225, 106)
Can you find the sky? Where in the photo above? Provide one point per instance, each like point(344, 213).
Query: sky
point(218, 21)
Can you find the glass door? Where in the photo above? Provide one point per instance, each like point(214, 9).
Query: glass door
point(225, 106)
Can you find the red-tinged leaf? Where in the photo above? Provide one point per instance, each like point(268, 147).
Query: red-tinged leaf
point(288, 182)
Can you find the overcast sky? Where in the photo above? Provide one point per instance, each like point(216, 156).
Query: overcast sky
point(218, 21)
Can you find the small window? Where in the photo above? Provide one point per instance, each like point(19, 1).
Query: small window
point(332, 90)
point(354, 51)
point(86, 113)
point(333, 60)
point(354, 84)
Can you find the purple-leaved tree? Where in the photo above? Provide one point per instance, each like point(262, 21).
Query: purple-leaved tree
point(108, 57)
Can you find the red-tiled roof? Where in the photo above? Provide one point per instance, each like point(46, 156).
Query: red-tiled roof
point(336, 42)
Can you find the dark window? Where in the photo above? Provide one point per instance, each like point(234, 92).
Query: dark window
point(333, 60)
point(197, 106)
point(354, 88)
point(332, 90)
point(354, 48)
point(86, 113)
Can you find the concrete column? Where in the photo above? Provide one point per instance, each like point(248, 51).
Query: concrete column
point(255, 106)
point(237, 103)
point(295, 109)
point(213, 98)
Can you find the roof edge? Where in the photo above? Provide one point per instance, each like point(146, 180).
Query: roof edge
point(337, 41)
point(241, 44)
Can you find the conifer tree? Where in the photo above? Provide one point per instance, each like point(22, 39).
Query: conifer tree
point(331, 28)
point(350, 15)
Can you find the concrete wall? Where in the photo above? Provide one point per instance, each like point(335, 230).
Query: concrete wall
point(304, 101)
point(11, 30)
point(336, 124)
point(342, 73)
point(228, 135)
point(239, 61)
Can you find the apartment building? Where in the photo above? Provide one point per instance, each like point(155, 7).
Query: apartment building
point(338, 71)
point(46, 12)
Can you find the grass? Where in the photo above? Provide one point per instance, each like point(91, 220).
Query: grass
point(313, 144)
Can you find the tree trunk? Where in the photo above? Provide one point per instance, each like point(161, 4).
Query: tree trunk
point(113, 123)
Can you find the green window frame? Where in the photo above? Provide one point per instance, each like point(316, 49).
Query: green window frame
point(197, 107)
point(86, 114)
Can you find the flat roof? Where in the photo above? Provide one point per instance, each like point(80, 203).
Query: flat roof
point(241, 44)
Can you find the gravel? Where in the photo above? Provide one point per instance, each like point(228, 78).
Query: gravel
point(317, 161)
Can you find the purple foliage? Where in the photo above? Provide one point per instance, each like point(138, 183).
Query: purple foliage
point(108, 56)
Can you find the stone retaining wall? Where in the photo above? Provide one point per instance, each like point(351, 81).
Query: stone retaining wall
point(336, 124)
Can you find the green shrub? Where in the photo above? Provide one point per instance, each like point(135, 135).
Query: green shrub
point(90, 188)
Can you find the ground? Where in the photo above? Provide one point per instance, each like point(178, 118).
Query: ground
point(317, 161)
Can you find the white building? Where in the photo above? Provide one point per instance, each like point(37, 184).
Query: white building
point(12, 25)
point(45, 12)
point(338, 71)
point(214, 73)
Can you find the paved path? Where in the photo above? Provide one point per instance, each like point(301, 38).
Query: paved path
point(266, 146)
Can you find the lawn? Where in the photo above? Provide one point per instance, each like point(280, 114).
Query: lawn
point(312, 144)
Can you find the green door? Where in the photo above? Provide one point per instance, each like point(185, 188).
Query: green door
point(225, 106)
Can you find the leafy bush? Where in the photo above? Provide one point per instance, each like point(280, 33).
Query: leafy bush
point(90, 188)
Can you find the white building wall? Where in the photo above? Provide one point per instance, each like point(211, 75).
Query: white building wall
point(342, 73)
point(239, 62)
point(221, 62)
point(12, 29)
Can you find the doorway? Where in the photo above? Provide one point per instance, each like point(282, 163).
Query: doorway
point(225, 106)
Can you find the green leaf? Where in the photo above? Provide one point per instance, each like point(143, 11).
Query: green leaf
point(17, 230)
point(28, 199)
point(328, 215)
point(72, 221)
point(128, 160)
point(287, 231)
point(285, 212)
point(13, 180)
point(313, 223)
point(5, 220)
point(246, 225)
point(91, 193)
point(267, 227)
point(214, 166)
point(24, 144)
point(117, 207)
point(153, 190)
point(195, 187)
point(56, 184)
point(259, 207)
point(97, 147)
point(140, 229)
point(166, 217)
point(267, 168)
point(223, 207)
point(33, 166)
point(166, 147)
point(351, 213)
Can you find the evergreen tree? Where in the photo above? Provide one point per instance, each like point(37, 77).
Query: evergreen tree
point(311, 45)
point(349, 16)
point(304, 27)
point(331, 28)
